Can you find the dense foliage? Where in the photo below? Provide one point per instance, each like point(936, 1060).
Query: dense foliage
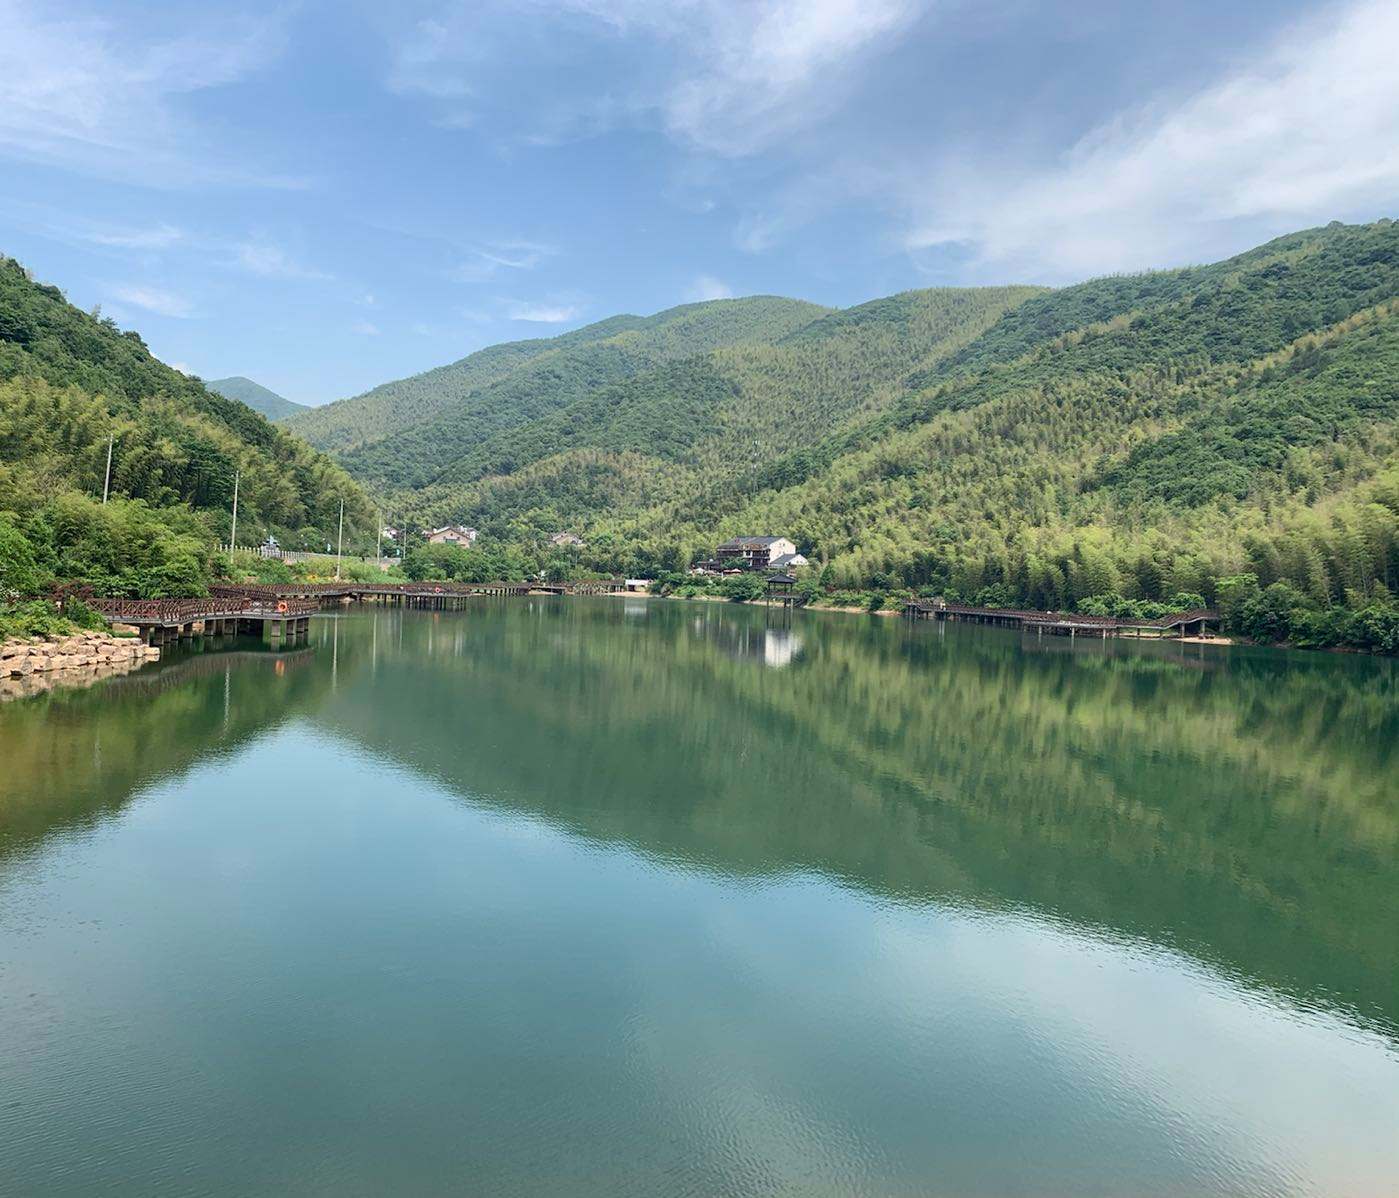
point(427, 423)
point(71, 384)
point(1206, 424)
point(1117, 443)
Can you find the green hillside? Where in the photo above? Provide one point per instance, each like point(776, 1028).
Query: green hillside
point(256, 396)
point(1226, 431)
point(1213, 431)
point(509, 386)
point(713, 420)
point(69, 383)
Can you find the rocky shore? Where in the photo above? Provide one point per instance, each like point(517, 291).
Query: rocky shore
point(32, 664)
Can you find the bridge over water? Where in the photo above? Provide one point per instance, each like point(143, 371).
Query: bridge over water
point(1196, 622)
point(281, 613)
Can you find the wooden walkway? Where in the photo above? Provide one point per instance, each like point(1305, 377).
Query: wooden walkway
point(160, 621)
point(281, 613)
point(1072, 624)
point(437, 596)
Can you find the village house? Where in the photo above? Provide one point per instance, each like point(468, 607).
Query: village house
point(759, 553)
point(452, 534)
point(565, 538)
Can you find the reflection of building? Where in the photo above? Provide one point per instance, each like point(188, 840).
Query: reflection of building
point(780, 646)
point(755, 553)
point(453, 534)
point(774, 647)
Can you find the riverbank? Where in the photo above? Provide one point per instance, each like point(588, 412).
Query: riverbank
point(29, 665)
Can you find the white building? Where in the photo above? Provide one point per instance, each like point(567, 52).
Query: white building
point(759, 553)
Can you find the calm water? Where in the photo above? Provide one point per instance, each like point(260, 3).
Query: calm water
point(625, 898)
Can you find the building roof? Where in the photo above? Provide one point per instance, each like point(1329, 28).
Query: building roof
point(750, 542)
point(788, 559)
point(781, 580)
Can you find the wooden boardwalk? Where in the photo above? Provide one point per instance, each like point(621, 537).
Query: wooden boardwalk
point(1072, 624)
point(281, 612)
point(160, 621)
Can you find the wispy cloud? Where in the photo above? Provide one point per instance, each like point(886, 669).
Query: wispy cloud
point(157, 237)
point(487, 261)
point(541, 313)
point(262, 257)
point(365, 329)
point(707, 287)
point(79, 90)
point(737, 74)
point(1307, 131)
point(162, 303)
point(768, 67)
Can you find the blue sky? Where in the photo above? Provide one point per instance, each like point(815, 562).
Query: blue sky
point(324, 196)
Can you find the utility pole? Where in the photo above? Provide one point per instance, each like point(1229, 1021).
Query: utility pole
point(107, 479)
point(339, 540)
point(378, 536)
point(233, 532)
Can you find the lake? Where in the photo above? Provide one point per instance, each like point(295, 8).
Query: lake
point(630, 897)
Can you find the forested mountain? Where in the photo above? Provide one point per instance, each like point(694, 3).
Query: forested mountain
point(721, 416)
point(1134, 437)
point(70, 384)
point(256, 396)
point(408, 432)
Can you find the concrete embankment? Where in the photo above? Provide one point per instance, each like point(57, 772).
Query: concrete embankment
point(32, 664)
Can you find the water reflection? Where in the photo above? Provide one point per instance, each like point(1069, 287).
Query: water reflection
point(862, 919)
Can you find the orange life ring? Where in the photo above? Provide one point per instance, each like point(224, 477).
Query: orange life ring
point(281, 605)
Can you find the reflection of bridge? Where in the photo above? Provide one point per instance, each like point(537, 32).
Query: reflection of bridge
point(1072, 624)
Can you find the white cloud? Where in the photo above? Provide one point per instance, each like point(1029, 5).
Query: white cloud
point(739, 74)
point(1307, 132)
point(263, 258)
point(80, 90)
point(365, 329)
point(162, 303)
point(707, 287)
point(545, 313)
point(772, 66)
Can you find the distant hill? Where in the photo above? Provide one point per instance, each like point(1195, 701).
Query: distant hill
point(256, 396)
point(406, 433)
point(70, 384)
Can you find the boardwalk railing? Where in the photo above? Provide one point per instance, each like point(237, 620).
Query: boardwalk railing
point(1069, 623)
point(187, 611)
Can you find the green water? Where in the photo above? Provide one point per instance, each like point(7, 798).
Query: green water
point(621, 897)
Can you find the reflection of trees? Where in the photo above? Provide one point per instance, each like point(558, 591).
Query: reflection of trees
point(71, 756)
point(1241, 811)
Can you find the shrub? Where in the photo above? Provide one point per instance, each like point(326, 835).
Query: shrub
point(20, 573)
